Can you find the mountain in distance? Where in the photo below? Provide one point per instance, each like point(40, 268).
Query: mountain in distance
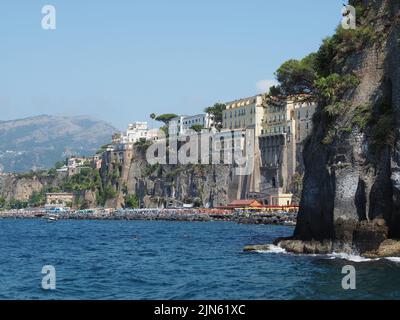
point(39, 142)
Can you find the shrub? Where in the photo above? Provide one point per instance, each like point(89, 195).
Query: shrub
point(131, 201)
point(2, 202)
point(384, 126)
point(335, 109)
point(37, 199)
point(362, 116)
point(334, 86)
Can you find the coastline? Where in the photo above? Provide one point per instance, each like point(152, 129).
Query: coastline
point(178, 215)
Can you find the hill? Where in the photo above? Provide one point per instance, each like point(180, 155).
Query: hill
point(38, 142)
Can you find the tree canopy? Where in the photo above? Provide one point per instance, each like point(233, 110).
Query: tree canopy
point(166, 118)
point(197, 127)
point(296, 77)
point(216, 111)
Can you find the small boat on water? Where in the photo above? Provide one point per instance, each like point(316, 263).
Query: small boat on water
point(52, 218)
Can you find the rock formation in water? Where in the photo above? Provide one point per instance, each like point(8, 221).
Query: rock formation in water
point(351, 195)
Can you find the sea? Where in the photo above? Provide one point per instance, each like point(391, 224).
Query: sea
point(159, 260)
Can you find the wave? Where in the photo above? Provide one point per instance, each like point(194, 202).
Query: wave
point(350, 257)
point(273, 249)
point(335, 255)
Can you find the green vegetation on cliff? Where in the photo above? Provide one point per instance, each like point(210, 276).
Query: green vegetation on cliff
point(296, 77)
point(2, 202)
point(322, 75)
point(131, 201)
point(379, 122)
point(86, 179)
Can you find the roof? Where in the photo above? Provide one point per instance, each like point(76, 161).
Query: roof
point(245, 203)
point(243, 99)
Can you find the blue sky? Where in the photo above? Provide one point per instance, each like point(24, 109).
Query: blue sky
point(121, 60)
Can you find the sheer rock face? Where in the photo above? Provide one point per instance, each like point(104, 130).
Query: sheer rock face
point(351, 183)
point(214, 185)
point(12, 187)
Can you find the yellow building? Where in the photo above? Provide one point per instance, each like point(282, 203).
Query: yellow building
point(288, 122)
point(244, 114)
point(293, 115)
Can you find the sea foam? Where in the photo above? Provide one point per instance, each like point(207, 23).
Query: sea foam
point(273, 249)
point(336, 255)
point(350, 257)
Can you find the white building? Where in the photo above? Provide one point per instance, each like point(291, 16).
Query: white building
point(135, 132)
point(176, 126)
point(180, 125)
point(155, 134)
point(74, 162)
point(229, 140)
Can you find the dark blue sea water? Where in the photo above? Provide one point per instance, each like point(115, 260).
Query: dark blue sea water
point(167, 260)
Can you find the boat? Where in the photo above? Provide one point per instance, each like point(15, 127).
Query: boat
point(52, 218)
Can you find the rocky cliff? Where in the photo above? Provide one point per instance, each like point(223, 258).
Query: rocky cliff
point(21, 186)
point(161, 185)
point(125, 173)
point(351, 195)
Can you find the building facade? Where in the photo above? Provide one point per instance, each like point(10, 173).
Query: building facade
point(59, 199)
point(244, 114)
point(135, 132)
point(287, 124)
point(180, 125)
